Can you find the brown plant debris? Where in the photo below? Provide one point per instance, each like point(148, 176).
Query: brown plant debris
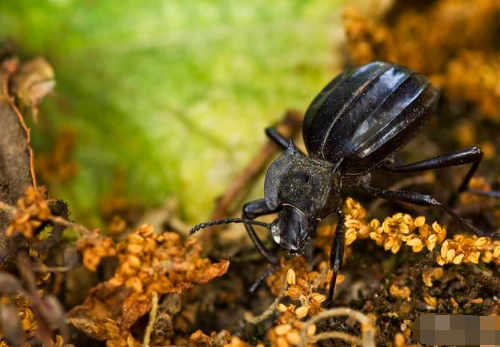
point(148, 263)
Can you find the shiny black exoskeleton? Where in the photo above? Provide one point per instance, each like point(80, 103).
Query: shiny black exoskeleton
point(353, 127)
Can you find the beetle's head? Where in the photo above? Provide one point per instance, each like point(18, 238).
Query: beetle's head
point(300, 185)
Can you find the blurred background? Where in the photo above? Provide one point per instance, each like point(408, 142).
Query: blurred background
point(165, 99)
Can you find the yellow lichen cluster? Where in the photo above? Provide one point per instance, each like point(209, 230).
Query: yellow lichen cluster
point(31, 211)
point(469, 249)
point(304, 289)
point(26, 315)
point(199, 339)
point(402, 229)
point(401, 292)
point(27, 319)
point(150, 262)
point(288, 334)
point(465, 66)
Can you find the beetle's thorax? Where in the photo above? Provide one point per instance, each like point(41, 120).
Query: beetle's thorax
point(298, 180)
point(301, 188)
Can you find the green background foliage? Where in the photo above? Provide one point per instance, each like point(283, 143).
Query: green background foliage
point(173, 94)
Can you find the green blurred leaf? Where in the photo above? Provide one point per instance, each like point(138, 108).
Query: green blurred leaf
point(175, 94)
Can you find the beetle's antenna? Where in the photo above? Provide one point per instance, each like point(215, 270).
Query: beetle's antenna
point(228, 221)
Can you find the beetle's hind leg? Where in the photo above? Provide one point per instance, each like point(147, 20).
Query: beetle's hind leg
point(472, 155)
point(424, 200)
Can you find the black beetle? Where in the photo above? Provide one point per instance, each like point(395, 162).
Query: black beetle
point(353, 127)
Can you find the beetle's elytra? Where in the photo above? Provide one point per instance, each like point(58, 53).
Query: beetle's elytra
point(352, 128)
point(365, 114)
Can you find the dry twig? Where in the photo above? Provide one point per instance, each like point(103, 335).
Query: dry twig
point(152, 320)
point(367, 328)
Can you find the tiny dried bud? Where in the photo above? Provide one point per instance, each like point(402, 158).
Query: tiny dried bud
point(301, 312)
point(293, 337)
point(419, 221)
point(281, 307)
point(281, 342)
point(458, 259)
point(311, 330)
point(282, 329)
point(430, 300)
point(290, 277)
point(415, 242)
point(480, 241)
point(496, 252)
point(319, 298)
point(399, 340)
point(473, 257)
point(450, 254)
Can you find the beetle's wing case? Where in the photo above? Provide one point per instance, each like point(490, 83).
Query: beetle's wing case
point(366, 114)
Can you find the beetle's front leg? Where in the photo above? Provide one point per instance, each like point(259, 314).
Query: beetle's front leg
point(252, 210)
point(336, 254)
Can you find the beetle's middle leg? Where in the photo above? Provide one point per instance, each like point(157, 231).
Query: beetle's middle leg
point(424, 200)
point(472, 155)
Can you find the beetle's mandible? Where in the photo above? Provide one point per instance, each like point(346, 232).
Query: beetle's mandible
point(353, 127)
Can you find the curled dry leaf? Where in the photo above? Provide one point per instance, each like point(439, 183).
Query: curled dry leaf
point(33, 81)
